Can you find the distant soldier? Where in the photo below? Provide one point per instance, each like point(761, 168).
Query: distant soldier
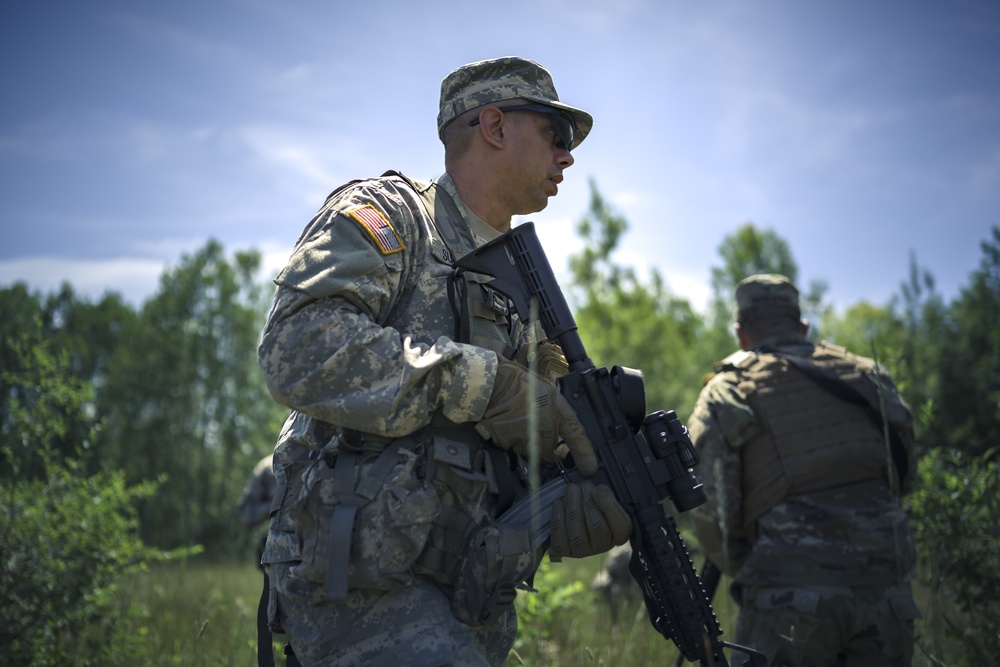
point(255, 503)
point(254, 509)
point(614, 582)
point(803, 491)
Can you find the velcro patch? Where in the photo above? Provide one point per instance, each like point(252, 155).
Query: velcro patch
point(378, 227)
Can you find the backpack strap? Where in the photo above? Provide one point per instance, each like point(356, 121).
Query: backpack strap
point(367, 487)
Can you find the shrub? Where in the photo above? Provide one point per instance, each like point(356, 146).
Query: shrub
point(67, 538)
point(953, 513)
point(66, 542)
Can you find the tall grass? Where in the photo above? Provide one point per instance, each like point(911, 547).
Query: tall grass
point(204, 614)
point(194, 615)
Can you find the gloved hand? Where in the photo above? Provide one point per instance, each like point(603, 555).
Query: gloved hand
point(505, 421)
point(545, 357)
point(587, 520)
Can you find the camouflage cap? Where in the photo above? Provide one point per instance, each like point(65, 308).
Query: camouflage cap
point(486, 81)
point(768, 293)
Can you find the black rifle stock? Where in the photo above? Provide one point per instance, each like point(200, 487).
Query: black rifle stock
point(644, 459)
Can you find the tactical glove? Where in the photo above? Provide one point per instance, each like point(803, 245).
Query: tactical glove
point(545, 358)
point(587, 520)
point(505, 421)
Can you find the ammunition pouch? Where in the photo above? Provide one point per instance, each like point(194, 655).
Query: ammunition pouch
point(375, 515)
point(363, 526)
point(497, 559)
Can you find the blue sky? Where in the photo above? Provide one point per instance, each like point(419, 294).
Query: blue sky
point(860, 132)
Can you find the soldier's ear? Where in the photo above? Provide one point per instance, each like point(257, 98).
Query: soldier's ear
point(492, 126)
point(743, 338)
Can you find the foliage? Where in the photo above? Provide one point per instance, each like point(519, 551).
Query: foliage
point(954, 515)
point(749, 251)
point(622, 318)
point(920, 348)
point(187, 391)
point(554, 599)
point(174, 393)
point(36, 408)
point(968, 361)
point(66, 538)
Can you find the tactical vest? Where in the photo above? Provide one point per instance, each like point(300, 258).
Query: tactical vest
point(808, 440)
point(484, 317)
point(476, 562)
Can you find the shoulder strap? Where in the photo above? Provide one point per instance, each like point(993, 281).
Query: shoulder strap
point(846, 392)
point(457, 237)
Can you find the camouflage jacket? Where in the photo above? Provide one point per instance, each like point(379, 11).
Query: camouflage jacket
point(255, 502)
point(801, 495)
point(361, 333)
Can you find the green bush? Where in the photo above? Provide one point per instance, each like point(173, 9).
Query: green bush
point(954, 513)
point(66, 542)
point(67, 538)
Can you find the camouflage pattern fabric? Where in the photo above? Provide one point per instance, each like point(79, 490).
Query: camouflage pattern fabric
point(821, 626)
point(409, 627)
point(360, 335)
point(254, 505)
point(497, 79)
point(853, 540)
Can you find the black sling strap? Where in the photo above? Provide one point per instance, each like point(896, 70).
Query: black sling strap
point(265, 654)
point(844, 391)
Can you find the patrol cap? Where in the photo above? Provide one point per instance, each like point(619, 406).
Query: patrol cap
point(766, 294)
point(510, 77)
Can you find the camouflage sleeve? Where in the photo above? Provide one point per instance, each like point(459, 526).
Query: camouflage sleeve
point(327, 349)
point(255, 503)
point(721, 422)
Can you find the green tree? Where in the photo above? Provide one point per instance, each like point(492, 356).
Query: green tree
point(185, 401)
point(627, 321)
point(67, 539)
point(87, 335)
point(749, 251)
point(967, 414)
point(20, 320)
point(953, 513)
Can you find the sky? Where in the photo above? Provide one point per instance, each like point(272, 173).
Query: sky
point(865, 133)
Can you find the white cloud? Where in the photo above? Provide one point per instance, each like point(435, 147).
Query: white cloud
point(134, 279)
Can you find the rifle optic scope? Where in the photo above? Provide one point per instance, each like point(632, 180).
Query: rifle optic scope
point(668, 438)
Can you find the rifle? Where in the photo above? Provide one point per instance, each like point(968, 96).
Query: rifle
point(709, 576)
point(644, 460)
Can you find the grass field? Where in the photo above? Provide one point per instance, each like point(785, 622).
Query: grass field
point(202, 614)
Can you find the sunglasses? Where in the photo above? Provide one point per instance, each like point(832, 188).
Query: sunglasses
point(562, 123)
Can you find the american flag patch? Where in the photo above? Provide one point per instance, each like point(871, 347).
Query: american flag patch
point(380, 229)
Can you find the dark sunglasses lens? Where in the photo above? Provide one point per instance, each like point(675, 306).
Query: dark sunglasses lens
point(562, 125)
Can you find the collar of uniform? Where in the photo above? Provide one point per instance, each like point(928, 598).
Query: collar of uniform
point(787, 344)
point(481, 230)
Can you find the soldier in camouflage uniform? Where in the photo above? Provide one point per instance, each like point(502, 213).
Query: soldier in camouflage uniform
point(254, 506)
point(410, 389)
point(803, 489)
